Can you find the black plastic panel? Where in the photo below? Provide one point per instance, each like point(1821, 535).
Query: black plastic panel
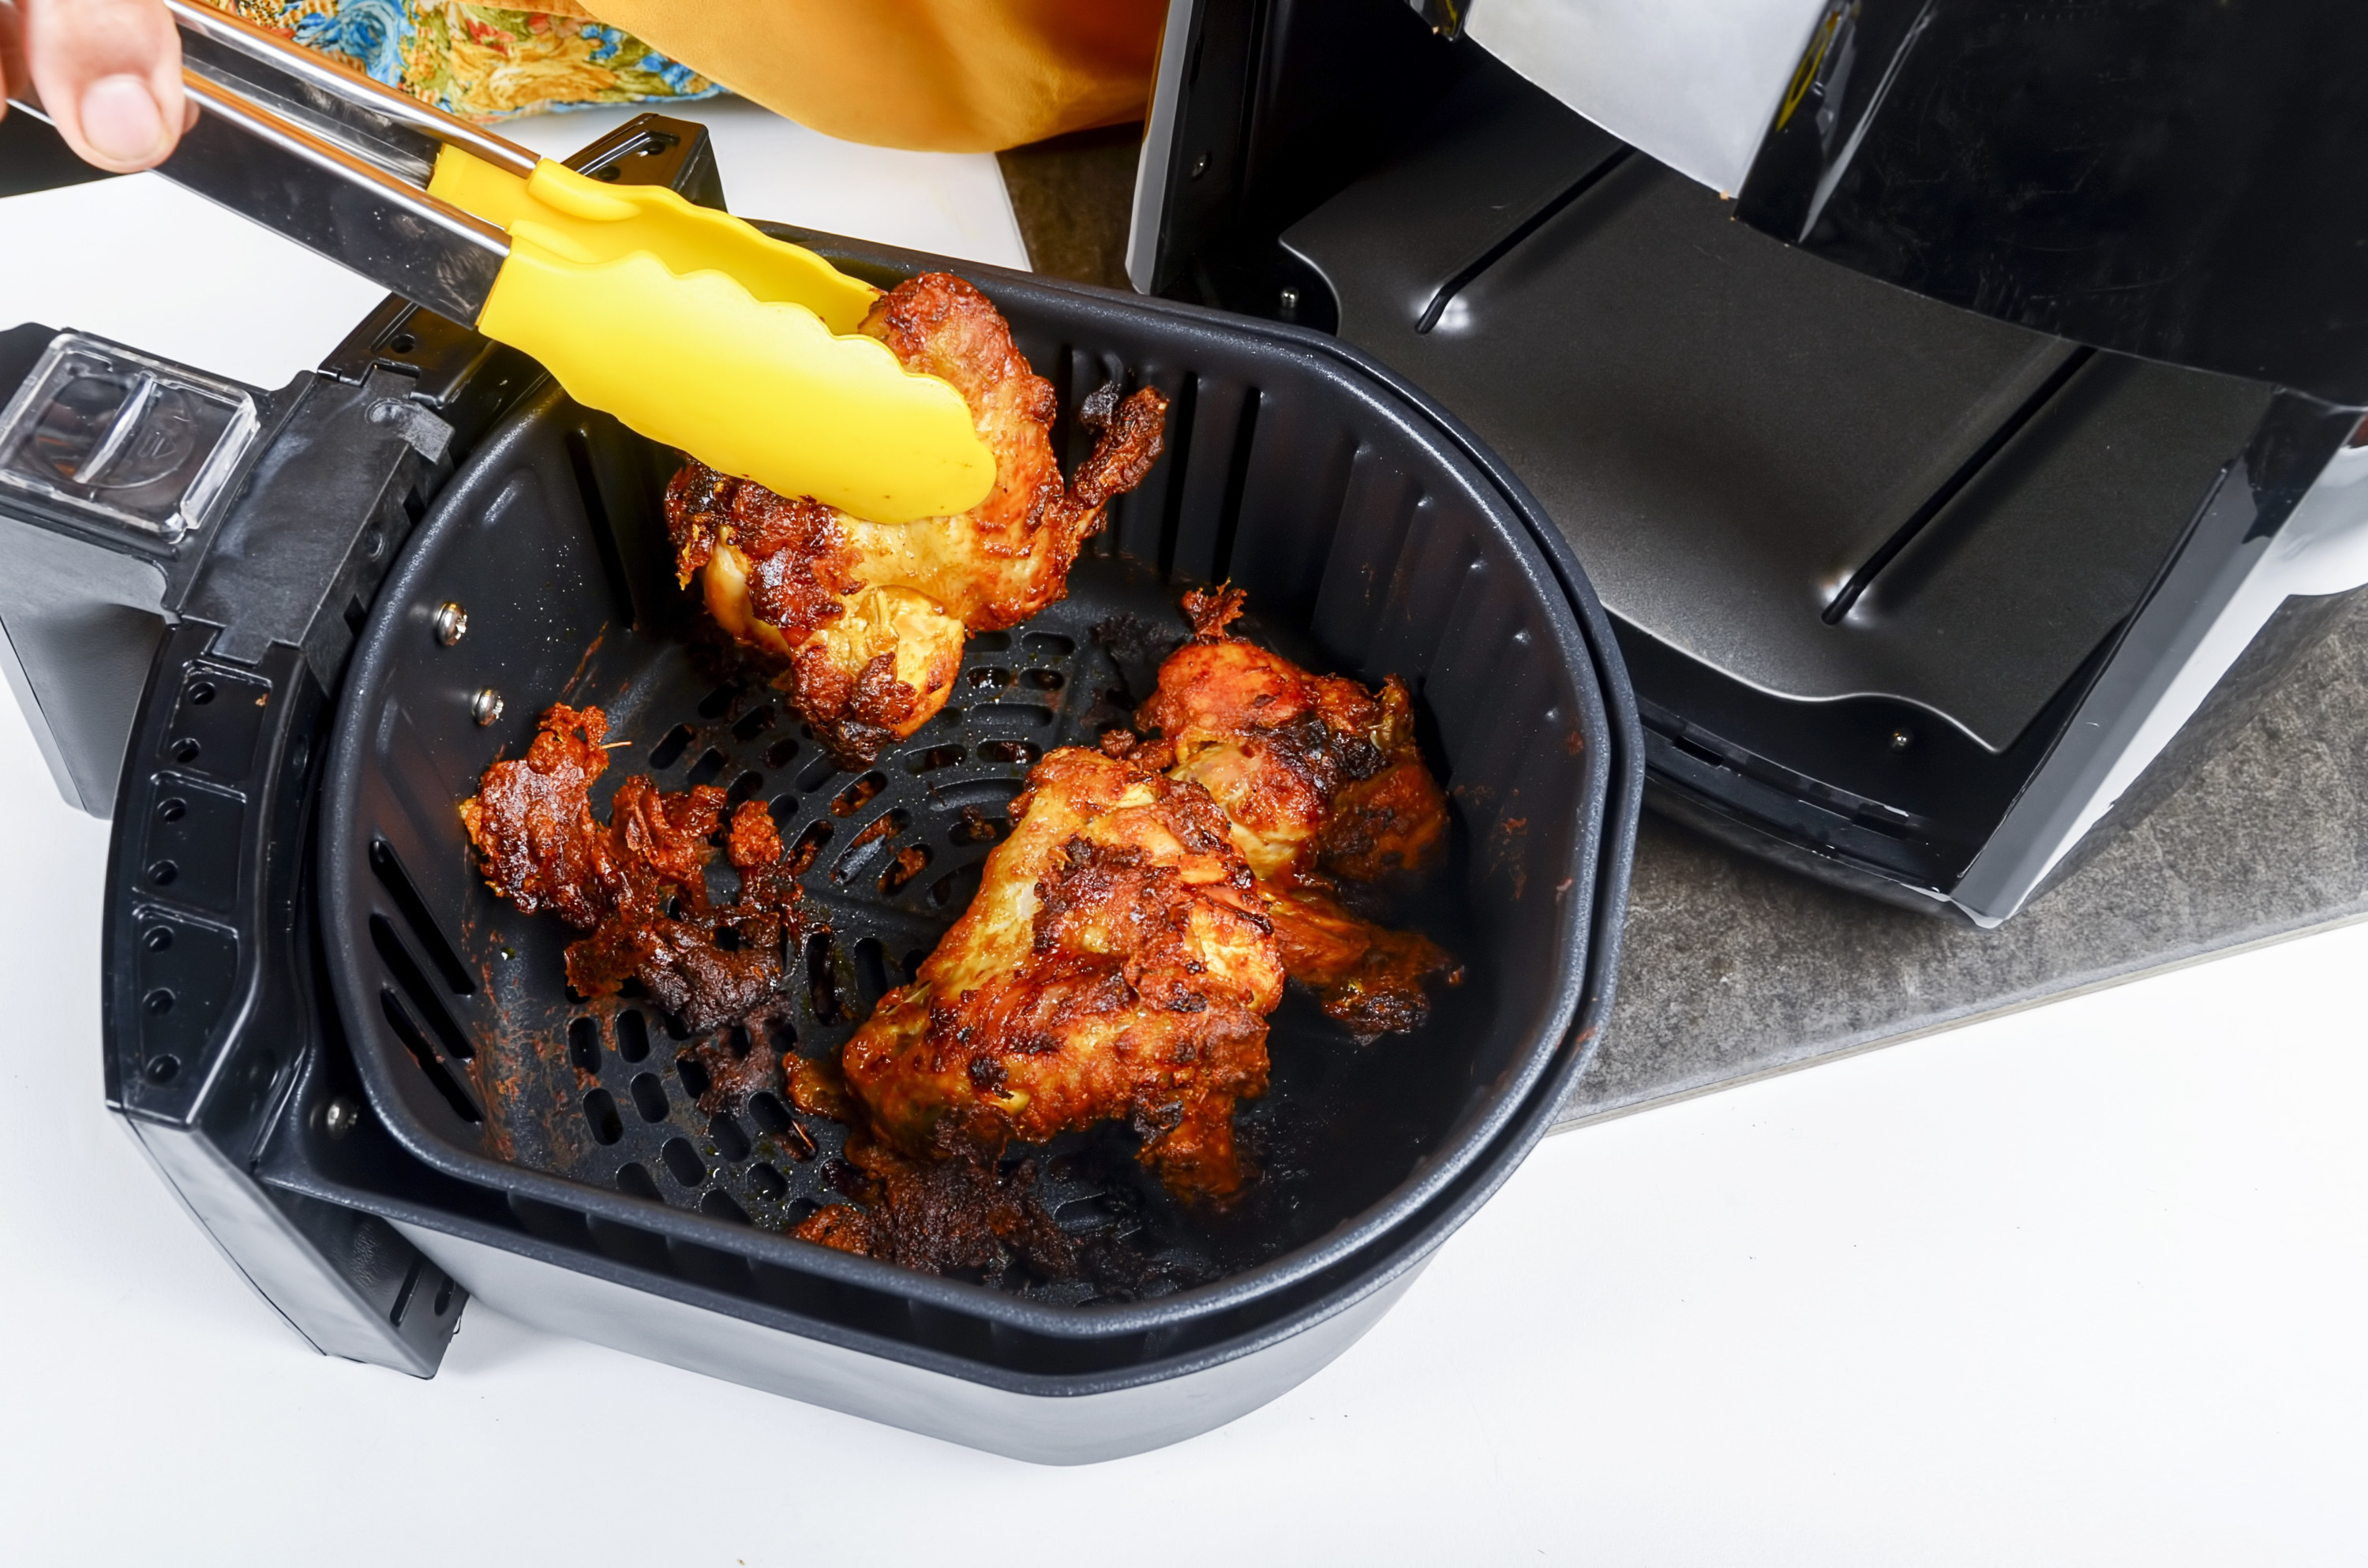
point(2174, 180)
point(1730, 432)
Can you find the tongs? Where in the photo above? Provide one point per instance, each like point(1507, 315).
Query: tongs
point(687, 325)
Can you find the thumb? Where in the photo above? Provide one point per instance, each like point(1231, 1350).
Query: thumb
point(108, 72)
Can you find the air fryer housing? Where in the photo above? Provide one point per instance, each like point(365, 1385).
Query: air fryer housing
point(279, 592)
point(1931, 490)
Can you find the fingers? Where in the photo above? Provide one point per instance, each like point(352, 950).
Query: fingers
point(13, 79)
point(109, 74)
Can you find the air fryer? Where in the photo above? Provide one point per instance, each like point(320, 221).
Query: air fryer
point(331, 604)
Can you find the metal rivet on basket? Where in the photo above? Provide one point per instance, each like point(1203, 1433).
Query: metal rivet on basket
point(486, 705)
point(340, 1116)
point(452, 623)
point(1902, 739)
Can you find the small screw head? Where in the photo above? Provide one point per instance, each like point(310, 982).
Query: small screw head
point(1290, 299)
point(1201, 166)
point(486, 705)
point(452, 623)
point(1902, 739)
point(340, 1116)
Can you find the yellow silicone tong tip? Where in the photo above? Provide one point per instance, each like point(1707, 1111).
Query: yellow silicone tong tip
point(696, 330)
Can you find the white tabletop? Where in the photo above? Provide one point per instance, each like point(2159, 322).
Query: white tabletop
point(2085, 1284)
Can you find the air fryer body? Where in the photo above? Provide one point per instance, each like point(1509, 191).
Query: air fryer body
point(1913, 589)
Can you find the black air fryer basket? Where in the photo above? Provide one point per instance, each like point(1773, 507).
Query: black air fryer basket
point(548, 1154)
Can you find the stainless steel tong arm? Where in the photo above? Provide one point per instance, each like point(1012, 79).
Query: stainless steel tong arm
point(334, 161)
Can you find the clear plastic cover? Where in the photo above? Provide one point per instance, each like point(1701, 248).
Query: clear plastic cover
point(110, 432)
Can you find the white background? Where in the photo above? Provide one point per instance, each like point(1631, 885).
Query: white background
point(2081, 1285)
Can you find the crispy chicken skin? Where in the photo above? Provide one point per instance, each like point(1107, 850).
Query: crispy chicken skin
point(1116, 961)
point(1321, 781)
point(871, 616)
point(637, 886)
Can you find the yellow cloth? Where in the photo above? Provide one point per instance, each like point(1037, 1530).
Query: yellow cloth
point(938, 75)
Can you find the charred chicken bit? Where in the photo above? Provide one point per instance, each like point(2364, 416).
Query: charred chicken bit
point(871, 616)
point(637, 886)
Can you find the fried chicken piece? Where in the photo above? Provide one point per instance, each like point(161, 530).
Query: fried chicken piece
point(1116, 961)
point(638, 886)
point(871, 616)
point(1322, 782)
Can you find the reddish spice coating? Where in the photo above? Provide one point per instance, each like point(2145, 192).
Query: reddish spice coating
point(1323, 782)
point(638, 886)
point(870, 617)
point(1116, 961)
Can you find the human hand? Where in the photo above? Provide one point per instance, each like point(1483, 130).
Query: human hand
point(107, 72)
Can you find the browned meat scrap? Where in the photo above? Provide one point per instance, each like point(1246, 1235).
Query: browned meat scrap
point(636, 886)
point(870, 617)
point(1322, 783)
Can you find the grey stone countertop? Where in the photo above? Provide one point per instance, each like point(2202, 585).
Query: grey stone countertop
point(1733, 969)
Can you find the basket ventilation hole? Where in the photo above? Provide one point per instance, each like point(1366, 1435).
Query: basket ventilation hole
point(173, 809)
point(936, 757)
point(583, 1045)
point(200, 693)
point(682, 1162)
point(853, 798)
point(778, 755)
point(414, 980)
point(809, 845)
point(717, 703)
point(421, 1052)
point(783, 1036)
point(989, 679)
point(731, 1144)
point(743, 789)
point(388, 868)
point(704, 771)
point(783, 808)
point(822, 975)
point(800, 1142)
point(1047, 645)
point(817, 772)
point(767, 1182)
point(693, 1074)
point(633, 1037)
point(766, 1110)
point(870, 970)
point(637, 1180)
point(158, 938)
point(910, 862)
point(753, 723)
point(669, 752)
point(1045, 680)
point(600, 1110)
point(1023, 752)
point(991, 642)
point(649, 1096)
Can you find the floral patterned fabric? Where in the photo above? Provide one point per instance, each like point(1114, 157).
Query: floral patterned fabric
point(483, 62)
